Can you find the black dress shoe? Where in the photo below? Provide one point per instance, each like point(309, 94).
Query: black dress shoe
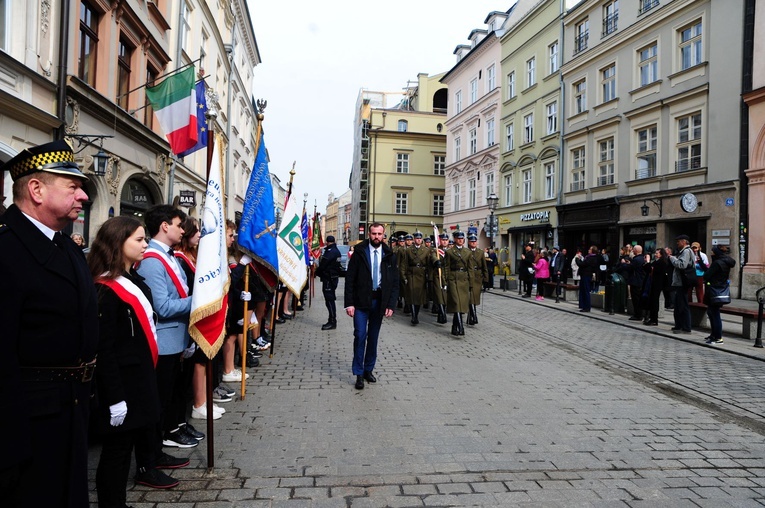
point(166, 461)
point(155, 479)
point(359, 382)
point(286, 316)
point(329, 325)
point(370, 377)
point(280, 321)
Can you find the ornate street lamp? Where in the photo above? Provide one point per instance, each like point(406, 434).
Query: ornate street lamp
point(492, 201)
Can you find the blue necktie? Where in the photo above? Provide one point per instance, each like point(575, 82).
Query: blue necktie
point(375, 271)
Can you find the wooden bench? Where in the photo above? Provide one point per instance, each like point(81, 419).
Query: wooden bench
point(568, 291)
point(748, 317)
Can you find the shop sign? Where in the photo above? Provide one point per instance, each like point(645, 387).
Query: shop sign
point(720, 241)
point(646, 230)
point(188, 198)
point(138, 195)
point(543, 216)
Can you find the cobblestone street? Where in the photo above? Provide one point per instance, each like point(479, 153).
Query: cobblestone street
point(534, 406)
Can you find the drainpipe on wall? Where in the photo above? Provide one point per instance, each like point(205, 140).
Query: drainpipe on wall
point(63, 54)
point(561, 153)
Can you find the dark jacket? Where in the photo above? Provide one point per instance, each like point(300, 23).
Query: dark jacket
point(633, 270)
point(719, 271)
point(358, 278)
point(329, 263)
point(657, 271)
point(527, 261)
point(589, 265)
point(557, 263)
point(125, 366)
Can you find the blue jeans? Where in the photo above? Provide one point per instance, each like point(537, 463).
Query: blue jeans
point(715, 321)
point(682, 311)
point(366, 329)
point(585, 285)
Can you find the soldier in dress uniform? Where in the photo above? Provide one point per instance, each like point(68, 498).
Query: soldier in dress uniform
point(457, 262)
point(397, 251)
point(414, 270)
point(439, 278)
point(49, 337)
point(408, 240)
point(479, 274)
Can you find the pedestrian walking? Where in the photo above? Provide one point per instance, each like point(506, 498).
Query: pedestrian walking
point(329, 274)
point(716, 280)
point(683, 277)
point(371, 292)
point(49, 317)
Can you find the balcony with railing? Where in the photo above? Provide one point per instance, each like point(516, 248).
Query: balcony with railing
point(609, 24)
point(688, 164)
point(580, 41)
point(645, 172)
point(605, 180)
point(647, 5)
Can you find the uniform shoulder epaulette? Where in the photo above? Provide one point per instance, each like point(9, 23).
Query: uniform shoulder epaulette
point(4, 228)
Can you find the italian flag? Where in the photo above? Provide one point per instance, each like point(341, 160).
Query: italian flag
point(174, 102)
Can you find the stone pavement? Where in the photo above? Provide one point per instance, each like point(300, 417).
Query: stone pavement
point(537, 405)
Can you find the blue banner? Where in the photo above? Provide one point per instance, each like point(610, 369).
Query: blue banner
point(201, 120)
point(257, 231)
point(304, 232)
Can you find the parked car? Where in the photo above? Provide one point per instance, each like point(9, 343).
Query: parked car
point(343, 258)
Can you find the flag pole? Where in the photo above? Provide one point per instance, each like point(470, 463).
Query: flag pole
point(278, 301)
point(245, 320)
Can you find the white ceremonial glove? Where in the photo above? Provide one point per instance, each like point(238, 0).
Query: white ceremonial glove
point(445, 288)
point(245, 296)
point(189, 351)
point(246, 260)
point(253, 320)
point(118, 413)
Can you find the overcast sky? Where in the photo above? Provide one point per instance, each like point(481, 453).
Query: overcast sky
point(317, 55)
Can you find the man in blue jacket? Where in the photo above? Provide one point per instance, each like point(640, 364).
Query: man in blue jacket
point(371, 292)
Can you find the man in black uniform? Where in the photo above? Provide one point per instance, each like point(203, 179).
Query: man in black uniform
point(329, 273)
point(49, 319)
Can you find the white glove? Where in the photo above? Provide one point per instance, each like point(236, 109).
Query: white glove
point(445, 288)
point(118, 413)
point(246, 260)
point(189, 351)
point(245, 296)
point(253, 320)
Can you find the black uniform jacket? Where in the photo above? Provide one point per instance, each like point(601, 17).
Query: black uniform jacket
point(125, 366)
point(358, 278)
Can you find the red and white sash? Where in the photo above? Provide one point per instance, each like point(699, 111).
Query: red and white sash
point(134, 297)
point(183, 289)
point(187, 259)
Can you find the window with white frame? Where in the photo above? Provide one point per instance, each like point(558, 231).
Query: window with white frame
point(580, 96)
point(552, 117)
point(646, 152)
point(472, 193)
point(549, 180)
point(531, 72)
point(489, 179)
point(509, 137)
point(402, 202)
point(606, 162)
point(490, 132)
point(648, 64)
point(508, 190)
point(647, 5)
point(552, 51)
point(581, 35)
point(688, 142)
point(456, 197)
point(457, 101)
point(526, 185)
point(185, 24)
point(439, 165)
point(528, 128)
point(403, 125)
point(457, 148)
point(473, 91)
point(438, 204)
point(402, 163)
point(608, 76)
point(577, 169)
point(511, 85)
point(491, 78)
point(690, 45)
point(473, 139)
point(610, 17)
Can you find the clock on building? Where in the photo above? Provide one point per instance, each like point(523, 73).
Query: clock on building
point(688, 202)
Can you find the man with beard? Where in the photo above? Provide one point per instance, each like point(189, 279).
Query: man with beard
point(371, 291)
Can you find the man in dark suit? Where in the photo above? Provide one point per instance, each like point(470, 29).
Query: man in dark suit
point(49, 317)
point(371, 291)
point(558, 265)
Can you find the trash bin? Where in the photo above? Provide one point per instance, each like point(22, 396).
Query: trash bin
point(618, 289)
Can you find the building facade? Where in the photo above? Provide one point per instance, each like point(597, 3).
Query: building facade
point(473, 129)
point(399, 158)
point(651, 93)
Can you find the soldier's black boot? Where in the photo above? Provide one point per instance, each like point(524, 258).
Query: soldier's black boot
point(441, 314)
point(470, 315)
point(331, 323)
point(398, 304)
point(416, 314)
point(474, 312)
point(460, 325)
point(407, 309)
point(455, 325)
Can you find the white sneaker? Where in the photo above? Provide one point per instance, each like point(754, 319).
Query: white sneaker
point(200, 413)
point(234, 376)
point(261, 344)
point(218, 409)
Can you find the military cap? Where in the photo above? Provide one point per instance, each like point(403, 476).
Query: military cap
point(459, 234)
point(401, 238)
point(409, 237)
point(472, 238)
point(417, 234)
point(443, 236)
point(451, 242)
point(54, 157)
point(427, 239)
